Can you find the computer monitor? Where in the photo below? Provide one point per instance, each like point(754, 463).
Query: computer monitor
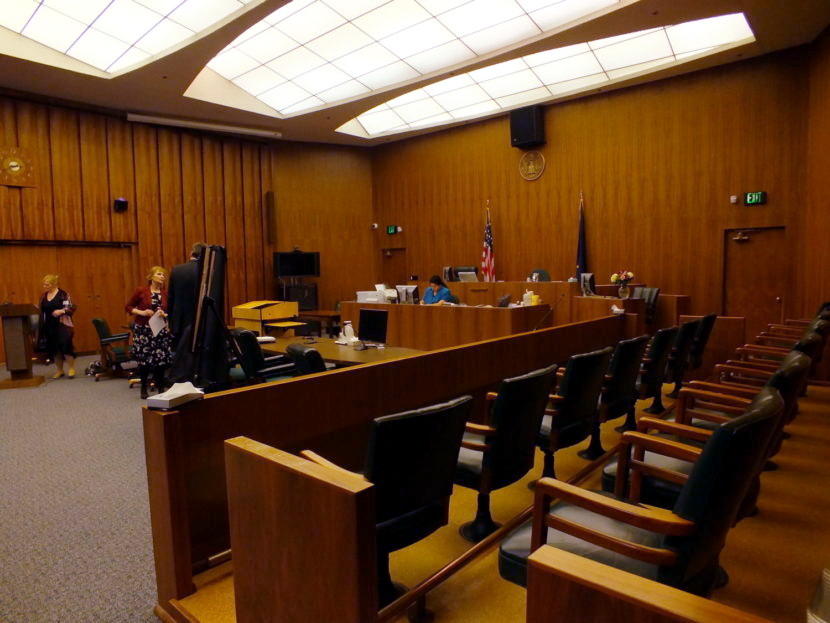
point(407, 294)
point(589, 287)
point(467, 276)
point(372, 325)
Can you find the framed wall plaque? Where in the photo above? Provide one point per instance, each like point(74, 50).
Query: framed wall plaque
point(17, 167)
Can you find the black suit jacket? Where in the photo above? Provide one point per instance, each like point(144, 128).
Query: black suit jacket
point(181, 299)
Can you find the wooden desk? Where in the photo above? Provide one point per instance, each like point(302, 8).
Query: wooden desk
point(429, 327)
point(669, 309)
point(342, 354)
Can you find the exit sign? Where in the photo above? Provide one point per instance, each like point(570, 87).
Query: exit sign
point(755, 199)
point(391, 229)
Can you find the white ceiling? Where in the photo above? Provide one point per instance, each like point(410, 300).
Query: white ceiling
point(352, 63)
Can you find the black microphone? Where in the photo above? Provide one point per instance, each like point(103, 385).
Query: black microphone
point(550, 311)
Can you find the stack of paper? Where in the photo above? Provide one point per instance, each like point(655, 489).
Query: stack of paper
point(177, 395)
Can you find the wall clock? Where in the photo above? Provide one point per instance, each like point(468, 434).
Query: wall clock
point(531, 165)
point(16, 167)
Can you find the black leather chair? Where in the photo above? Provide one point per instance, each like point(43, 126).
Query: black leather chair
point(653, 370)
point(501, 452)
point(306, 359)
point(114, 350)
point(541, 274)
point(706, 406)
point(619, 391)
point(574, 413)
point(701, 340)
point(411, 460)
point(679, 547)
point(649, 295)
point(256, 368)
point(678, 361)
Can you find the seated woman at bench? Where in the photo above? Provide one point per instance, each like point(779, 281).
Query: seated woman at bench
point(437, 293)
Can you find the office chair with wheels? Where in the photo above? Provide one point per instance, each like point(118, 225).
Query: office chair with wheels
point(500, 452)
point(411, 459)
point(653, 370)
point(574, 412)
point(114, 350)
point(678, 361)
point(619, 391)
point(253, 365)
point(680, 547)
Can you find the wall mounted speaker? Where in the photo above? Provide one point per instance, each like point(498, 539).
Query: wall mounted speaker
point(527, 127)
point(120, 205)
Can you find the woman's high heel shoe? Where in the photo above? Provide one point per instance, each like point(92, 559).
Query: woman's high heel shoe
point(57, 374)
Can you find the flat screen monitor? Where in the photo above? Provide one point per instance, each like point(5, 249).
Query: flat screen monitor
point(407, 294)
point(588, 284)
point(372, 325)
point(297, 264)
point(467, 276)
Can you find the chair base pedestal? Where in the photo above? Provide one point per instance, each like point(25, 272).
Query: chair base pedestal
point(593, 451)
point(478, 530)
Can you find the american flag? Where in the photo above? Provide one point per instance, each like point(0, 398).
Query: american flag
point(488, 254)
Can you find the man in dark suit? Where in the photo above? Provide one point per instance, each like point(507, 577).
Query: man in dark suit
point(183, 291)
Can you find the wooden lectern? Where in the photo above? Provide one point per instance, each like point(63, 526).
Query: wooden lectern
point(17, 337)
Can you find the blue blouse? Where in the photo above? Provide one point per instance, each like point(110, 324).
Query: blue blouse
point(431, 297)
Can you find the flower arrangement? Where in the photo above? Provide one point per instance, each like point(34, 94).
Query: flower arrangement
point(622, 278)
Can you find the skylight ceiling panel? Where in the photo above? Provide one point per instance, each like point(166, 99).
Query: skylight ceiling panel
point(53, 29)
point(15, 16)
point(380, 121)
point(252, 32)
point(500, 69)
point(352, 88)
point(391, 18)
point(534, 5)
point(350, 9)
point(601, 43)
point(577, 85)
point(512, 83)
point(85, 11)
point(406, 98)
point(436, 7)
point(133, 56)
point(339, 42)
point(637, 50)
point(418, 38)
point(297, 61)
point(259, 80)
point(313, 21)
point(232, 63)
point(281, 97)
point(501, 35)
point(165, 35)
point(446, 55)
point(200, 14)
point(461, 98)
point(311, 102)
point(289, 8)
point(425, 123)
point(548, 56)
point(562, 13)
point(479, 14)
point(124, 19)
point(364, 60)
point(422, 109)
point(162, 7)
point(709, 32)
point(267, 45)
point(578, 66)
point(97, 49)
point(322, 78)
point(476, 110)
point(448, 84)
point(640, 67)
point(391, 74)
point(354, 128)
point(525, 97)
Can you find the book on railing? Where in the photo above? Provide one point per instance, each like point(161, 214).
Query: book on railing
point(178, 394)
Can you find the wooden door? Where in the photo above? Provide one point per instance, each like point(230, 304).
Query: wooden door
point(99, 280)
point(393, 267)
point(756, 276)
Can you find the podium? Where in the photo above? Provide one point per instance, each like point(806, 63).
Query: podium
point(17, 337)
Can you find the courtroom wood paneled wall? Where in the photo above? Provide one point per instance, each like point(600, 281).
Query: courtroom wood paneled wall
point(182, 187)
point(815, 279)
point(657, 164)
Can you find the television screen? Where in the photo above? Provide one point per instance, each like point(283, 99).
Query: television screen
point(297, 264)
point(372, 326)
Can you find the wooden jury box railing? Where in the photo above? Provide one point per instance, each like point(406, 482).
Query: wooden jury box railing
point(326, 412)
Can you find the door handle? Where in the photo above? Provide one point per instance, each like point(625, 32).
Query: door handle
point(777, 299)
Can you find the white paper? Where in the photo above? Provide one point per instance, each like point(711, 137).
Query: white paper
point(157, 323)
point(178, 394)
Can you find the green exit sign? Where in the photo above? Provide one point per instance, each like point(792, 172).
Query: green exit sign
point(757, 198)
point(391, 229)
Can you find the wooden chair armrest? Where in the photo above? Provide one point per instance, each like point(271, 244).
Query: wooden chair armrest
point(714, 397)
point(757, 364)
point(720, 388)
point(492, 395)
point(783, 330)
point(556, 398)
point(775, 339)
point(659, 445)
point(646, 424)
point(638, 515)
point(709, 417)
point(475, 445)
point(766, 349)
point(797, 322)
point(479, 429)
point(750, 372)
point(770, 353)
point(316, 458)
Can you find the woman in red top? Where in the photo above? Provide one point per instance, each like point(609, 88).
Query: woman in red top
point(153, 352)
